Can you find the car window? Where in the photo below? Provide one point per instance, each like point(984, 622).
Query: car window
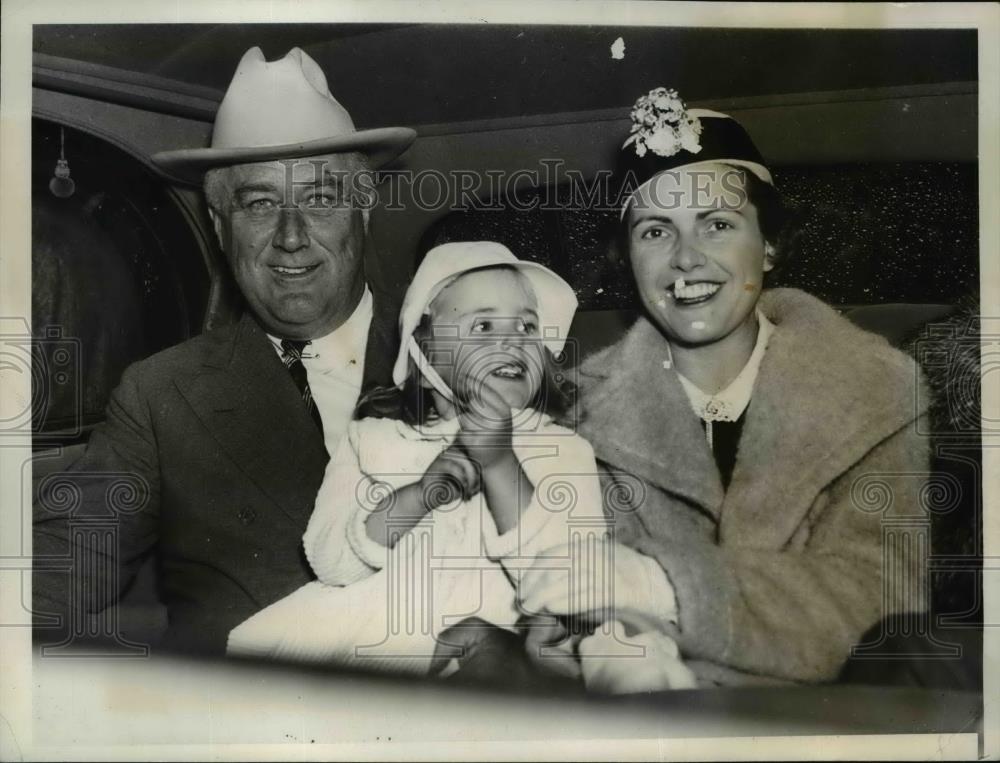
point(116, 276)
point(868, 234)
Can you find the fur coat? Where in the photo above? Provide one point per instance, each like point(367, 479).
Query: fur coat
point(778, 576)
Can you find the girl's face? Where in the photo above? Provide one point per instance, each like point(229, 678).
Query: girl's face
point(484, 330)
point(697, 253)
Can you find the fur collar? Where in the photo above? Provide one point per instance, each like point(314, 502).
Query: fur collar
point(827, 393)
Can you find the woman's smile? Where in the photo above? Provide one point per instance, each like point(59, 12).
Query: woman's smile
point(690, 293)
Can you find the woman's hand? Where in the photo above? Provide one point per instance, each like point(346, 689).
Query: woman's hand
point(637, 591)
point(609, 665)
point(451, 476)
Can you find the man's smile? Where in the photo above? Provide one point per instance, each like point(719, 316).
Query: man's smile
point(285, 271)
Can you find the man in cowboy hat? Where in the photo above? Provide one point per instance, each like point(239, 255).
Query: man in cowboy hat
point(213, 450)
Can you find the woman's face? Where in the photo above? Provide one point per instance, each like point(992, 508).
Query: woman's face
point(697, 253)
point(484, 329)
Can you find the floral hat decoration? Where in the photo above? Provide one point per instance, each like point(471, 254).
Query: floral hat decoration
point(666, 135)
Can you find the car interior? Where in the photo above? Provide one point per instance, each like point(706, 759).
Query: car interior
point(872, 137)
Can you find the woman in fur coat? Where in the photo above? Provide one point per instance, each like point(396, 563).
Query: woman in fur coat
point(763, 456)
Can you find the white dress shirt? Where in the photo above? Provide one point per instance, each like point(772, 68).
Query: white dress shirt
point(335, 368)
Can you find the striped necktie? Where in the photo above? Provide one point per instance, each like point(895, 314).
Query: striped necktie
point(291, 356)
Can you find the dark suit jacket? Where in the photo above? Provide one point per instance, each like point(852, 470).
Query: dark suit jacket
point(207, 457)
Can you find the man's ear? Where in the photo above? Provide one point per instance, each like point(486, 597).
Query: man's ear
point(768, 257)
point(217, 222)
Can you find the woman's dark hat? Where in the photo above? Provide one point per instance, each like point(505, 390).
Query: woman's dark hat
point(666, 135)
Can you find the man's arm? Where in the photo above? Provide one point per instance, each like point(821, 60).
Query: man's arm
point(95, 523)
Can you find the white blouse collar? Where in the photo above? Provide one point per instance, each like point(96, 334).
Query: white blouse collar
point(730, 403)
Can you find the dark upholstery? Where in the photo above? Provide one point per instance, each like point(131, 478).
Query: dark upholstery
point(898, 322)
point(943, 650)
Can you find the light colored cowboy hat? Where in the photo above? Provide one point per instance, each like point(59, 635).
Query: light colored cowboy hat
point(281, 110)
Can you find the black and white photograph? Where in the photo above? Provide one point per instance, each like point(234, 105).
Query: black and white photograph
point(580, 380)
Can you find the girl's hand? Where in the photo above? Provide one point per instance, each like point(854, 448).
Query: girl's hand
point(486, 436)
point(450, 477)
point(485, 418)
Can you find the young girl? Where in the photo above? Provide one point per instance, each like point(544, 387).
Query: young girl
point(455, 481)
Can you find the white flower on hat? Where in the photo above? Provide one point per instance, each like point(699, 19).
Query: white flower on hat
point(663, 142)
point(689, 141)
point(661, 124)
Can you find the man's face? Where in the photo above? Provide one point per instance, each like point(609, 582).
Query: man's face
point(294, 243)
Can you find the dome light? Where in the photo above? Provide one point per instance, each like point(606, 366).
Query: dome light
point(62, 184)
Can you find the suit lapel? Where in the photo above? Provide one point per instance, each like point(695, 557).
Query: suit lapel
point(247, 400)
point(638, 420)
